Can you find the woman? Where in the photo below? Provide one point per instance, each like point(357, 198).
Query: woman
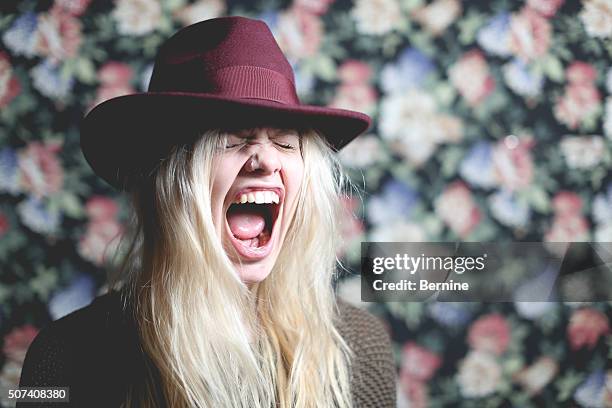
point(225, 296)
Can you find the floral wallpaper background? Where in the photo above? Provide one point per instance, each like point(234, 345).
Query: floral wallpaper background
point(492, 122)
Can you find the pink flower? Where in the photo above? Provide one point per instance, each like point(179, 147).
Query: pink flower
point(354, 72)
point(41, 171)
point(513, 166)
point(106, 92)
point(457, 209)
point(9, 84)
point(580, 101)
point(299, 33)
point(529, 34)
point(358, 97)
point(581, 73)
point(16, 343)
point(568, 228)
point(416, 392)
point(470, 75)
point(4, 224)
point(100, 208)
point(313, 6)
point(585, 327)
point(103, 231)
point(74, 7)
point(100, 240)
point(568, 225)
point(418, 363)
point(567, 203)
point(547, 8)
point(115, 74)
point(490, 333)
point(59, 34)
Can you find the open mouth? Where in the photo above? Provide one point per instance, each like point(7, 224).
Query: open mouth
point(251, 219)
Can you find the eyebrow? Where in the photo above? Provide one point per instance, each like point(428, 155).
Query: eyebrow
point(275, 131)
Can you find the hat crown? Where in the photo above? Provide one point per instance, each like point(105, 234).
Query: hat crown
point(235, 56)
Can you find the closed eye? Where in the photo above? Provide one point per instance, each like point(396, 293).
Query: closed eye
point(286, 146)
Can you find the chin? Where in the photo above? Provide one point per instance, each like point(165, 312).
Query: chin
point(252, 274)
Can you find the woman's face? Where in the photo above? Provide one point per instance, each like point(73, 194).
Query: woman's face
point(255, 184)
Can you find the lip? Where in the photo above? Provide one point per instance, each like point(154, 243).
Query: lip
point(255, 254)
point(277, 189)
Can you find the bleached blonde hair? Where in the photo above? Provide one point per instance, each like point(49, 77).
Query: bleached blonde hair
point(207, 339)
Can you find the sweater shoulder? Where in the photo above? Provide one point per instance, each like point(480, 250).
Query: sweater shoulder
point(373, 366)
point(362, 330)
point(80, 350)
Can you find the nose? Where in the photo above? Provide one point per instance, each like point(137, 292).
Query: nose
point(263, 159)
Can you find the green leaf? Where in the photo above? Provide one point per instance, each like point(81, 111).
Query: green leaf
point(85, 71)
point(567, 384)
point(445, 93)
point(553, 68)
point(324, 67)
point(71, 205)
point(537, 198)
point(44, 282)
point(468, 27)
point(450, 158)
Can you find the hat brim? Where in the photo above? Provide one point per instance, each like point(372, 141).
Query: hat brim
point(124, 138)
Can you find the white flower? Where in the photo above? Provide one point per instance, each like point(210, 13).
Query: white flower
point(361, 152)
point(377, 17)
point(597, 18)
point(409, 122)
point(479, 374)
point(200, 10)
point(582, 152)
point(137, 17)
point(437, 15)
point(603, 233)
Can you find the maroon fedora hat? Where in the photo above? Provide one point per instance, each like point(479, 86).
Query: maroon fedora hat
point(219, 73)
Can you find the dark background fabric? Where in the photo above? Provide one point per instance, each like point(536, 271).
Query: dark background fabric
point(492, 122)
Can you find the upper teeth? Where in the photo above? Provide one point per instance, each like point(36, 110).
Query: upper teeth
point(259, 197)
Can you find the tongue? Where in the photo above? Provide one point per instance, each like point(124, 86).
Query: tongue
point(245, 223)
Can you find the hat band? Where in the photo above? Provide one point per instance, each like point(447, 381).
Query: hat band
point(244, 81)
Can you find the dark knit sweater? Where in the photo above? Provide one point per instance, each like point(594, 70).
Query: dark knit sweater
point(95, 351)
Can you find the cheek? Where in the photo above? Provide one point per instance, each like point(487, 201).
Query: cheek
point(294, 172)
point(223, 178)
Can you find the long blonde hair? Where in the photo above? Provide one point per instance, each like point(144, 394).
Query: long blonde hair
point(207, 339)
